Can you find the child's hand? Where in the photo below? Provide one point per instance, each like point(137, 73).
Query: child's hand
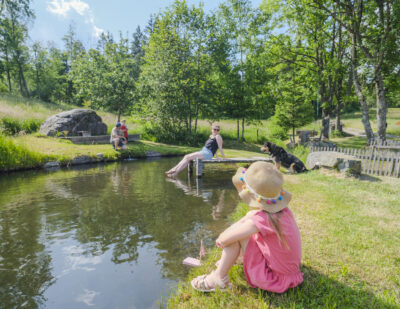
point(219, 244)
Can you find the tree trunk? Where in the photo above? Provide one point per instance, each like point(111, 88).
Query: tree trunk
point(381, 106)
point(325, 126)
point(339, 104)
point(243, 130)
point(22, 79)
point(190, 117)
point(294, 136)
point(8, 73)
point(238, 129)
point(357, 87)
point(38, 83)
point(119, 114)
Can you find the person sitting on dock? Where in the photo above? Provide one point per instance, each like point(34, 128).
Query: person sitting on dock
point(212, 145)
point(117, 138)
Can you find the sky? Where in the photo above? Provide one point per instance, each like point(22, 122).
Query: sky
point(91, 17)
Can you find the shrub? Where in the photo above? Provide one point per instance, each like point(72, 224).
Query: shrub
point(276, 132)
point(157, 133)
point(31, 125)
point(12, 126)
point(3, 88)
point(13, 156)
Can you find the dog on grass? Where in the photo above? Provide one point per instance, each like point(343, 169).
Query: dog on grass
point(284, 158)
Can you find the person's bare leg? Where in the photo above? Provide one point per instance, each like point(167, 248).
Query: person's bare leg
point(116, 142)
point(183, 163)
point(228, 259)
point(278, 165)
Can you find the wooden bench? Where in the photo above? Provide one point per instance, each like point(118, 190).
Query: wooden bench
point(198, 164)
point(84, 133)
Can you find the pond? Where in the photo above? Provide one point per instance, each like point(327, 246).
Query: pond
point(105, 236)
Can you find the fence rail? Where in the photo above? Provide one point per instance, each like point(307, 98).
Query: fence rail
point(374, 161)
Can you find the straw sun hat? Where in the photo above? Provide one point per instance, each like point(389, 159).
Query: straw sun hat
point(261, 186)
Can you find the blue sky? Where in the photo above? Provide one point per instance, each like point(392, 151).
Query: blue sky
point(91, 17)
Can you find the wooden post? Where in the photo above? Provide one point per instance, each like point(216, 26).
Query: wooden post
point(199, 167)
point(190, 167)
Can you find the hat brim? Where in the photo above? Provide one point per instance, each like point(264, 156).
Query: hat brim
point(251, 200)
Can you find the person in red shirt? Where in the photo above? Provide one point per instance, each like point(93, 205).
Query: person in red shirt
point(124, 129)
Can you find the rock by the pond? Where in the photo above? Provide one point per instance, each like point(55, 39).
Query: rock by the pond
point(100, 156)
point(150, 153)
point(72, 122)
point(81, 160)
point(349, 165)
point(52, 164)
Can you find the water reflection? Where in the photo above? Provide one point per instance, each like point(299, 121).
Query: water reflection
point(107, 236)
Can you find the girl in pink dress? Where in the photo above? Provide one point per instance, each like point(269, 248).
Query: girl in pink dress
point(268, 236)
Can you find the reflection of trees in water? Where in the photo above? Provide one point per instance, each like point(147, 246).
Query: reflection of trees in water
point(25, 271)
point(116, 209)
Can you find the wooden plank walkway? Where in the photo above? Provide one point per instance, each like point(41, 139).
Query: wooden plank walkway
point(199, 164)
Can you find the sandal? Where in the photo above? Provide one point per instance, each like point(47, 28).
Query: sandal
point(201, 284)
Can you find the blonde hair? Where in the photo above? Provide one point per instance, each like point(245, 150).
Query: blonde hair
point(274, 219)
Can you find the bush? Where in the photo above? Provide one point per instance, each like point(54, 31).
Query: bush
point(12, 126)
point(276, 132)
point(157, 133)
point(14, 156)
point(3, 88)
point(31, 125)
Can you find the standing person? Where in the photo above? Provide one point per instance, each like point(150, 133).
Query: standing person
point(212, 145)
point(268, 236)
point(124, 129)
point(117, 137)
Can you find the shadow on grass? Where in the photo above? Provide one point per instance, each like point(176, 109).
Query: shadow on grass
point(321, 291)
point(364, 177)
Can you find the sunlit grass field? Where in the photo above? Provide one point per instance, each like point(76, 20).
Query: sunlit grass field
point(350, 242)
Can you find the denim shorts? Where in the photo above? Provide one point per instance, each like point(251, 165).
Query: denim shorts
point(207, 154)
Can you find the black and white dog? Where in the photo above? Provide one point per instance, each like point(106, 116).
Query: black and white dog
point(284, 158)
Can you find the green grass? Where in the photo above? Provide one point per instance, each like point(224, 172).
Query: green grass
point(350, 236)
point(15, 156)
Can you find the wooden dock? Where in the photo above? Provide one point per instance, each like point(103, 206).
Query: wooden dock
point(199, 164)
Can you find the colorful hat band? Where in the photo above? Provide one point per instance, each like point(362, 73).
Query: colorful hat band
point(269, 200)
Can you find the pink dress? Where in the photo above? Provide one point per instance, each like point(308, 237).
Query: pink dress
point(268, 265)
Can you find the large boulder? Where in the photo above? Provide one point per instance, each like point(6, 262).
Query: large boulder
point(349, 165)
point(74, 121)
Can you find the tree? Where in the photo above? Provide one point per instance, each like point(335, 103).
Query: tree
point(14, 16)
point(105, 80)
point(374, 28)
point(176, 72)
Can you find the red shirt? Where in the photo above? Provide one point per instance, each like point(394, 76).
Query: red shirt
point(125, 130)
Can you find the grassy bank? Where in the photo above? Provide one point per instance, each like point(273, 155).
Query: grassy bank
point(350, 237)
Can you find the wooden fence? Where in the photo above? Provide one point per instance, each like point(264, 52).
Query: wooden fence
point(387, 144)
point(374, 161)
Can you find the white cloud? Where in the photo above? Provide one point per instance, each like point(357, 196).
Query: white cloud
point(87, 297)
point(63, 7)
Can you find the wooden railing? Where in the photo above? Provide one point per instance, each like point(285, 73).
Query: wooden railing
point(374, 160)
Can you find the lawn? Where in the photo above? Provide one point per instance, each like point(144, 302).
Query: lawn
point(350, 237)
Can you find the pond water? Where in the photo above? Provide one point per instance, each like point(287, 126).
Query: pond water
point(105, 236)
